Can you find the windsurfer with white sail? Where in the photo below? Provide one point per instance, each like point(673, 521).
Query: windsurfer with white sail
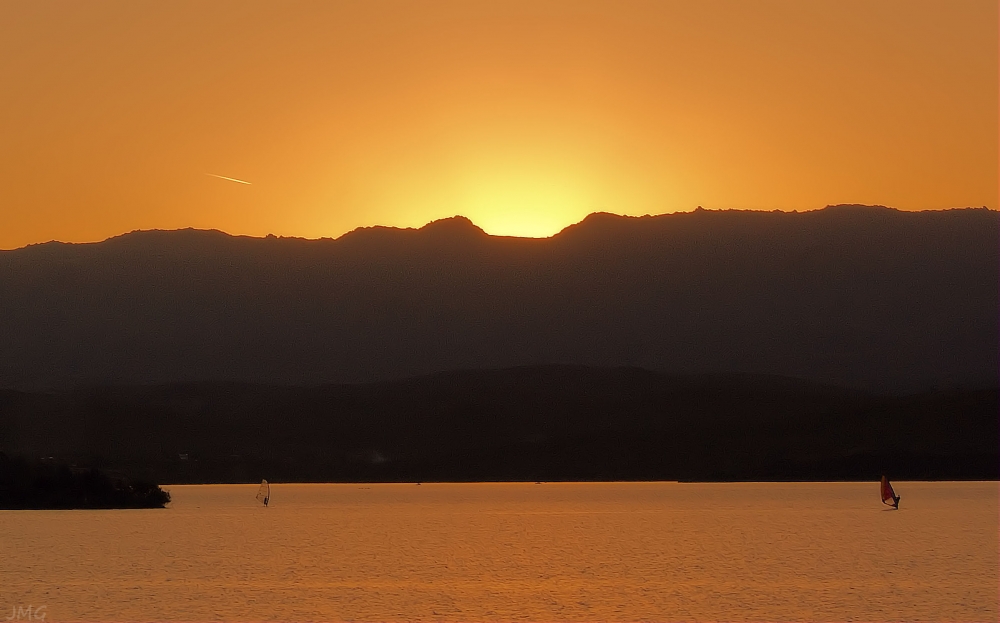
point(264, 492)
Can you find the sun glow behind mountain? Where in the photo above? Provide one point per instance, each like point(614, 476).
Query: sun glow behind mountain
point(528, 201)
point(525, 211)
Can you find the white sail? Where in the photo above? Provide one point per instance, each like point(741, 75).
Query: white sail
point(264, 492)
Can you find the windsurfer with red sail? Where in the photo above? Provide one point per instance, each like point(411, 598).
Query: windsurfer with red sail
point(889, 494)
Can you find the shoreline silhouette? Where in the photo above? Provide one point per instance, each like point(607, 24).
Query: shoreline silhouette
point(538, 423)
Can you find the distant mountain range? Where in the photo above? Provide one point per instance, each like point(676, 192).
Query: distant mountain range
point(856, 296)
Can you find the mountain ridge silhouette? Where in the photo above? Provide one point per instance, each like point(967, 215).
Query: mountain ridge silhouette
point(861, 296)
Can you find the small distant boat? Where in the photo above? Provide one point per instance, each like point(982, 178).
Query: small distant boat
point(889, 496)
point(264, 492)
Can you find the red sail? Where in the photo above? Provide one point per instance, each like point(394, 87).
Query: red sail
point(888, 495)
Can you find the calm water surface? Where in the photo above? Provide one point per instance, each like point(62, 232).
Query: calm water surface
point(449, 552)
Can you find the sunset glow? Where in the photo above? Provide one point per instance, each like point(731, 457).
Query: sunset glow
point(499, 310)
point(523, 116)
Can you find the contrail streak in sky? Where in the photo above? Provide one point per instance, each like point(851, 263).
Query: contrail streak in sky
point(231, 179)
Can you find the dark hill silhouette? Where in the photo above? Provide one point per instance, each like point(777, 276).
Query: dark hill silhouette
point(45, 485)
point(529, 423)
point(868, 297)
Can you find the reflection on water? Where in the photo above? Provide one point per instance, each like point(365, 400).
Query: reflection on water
point(573, 551)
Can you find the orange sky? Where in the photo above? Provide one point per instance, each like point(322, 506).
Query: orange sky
point(523, 116)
